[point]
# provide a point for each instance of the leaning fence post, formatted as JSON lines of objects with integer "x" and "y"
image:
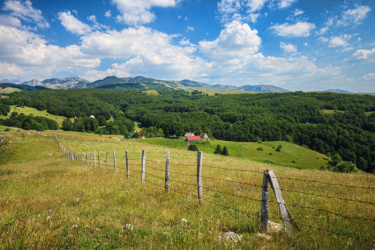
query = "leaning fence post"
{"x": 199, "y": 176}
{"x": 264, "y": 208}
{"x": 143, "y": 165}
{"x": 114, "y": 161}
{"x": 282, "y": 206}
{"x": 167, "y": 162}
{"x": 106, "y": 162}
{"x": 127, "y": 163}
{"x": 99, "y": 157}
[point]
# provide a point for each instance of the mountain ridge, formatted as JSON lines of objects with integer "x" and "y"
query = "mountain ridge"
{"x": 144, "y": 83}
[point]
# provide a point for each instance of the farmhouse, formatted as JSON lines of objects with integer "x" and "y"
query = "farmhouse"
{"x": 204, "y": 135}
{"x": 193, "y": 138}
{"x": 188, "y": 134}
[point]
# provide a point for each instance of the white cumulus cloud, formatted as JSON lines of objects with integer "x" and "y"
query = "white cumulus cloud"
{"x": 364, "y": 55}
{"x": 25, "y": 11}
{"x": 136, "y": 12}
{"x": 368, "y": 77}
{"x": 72, "y": 24}
{"x": 300, "y": 29}
{"x": 10, "y": 21}
{"x": 354, "y": 16}
{"x": 337, "y": 41}
{"x": 286, "y": 3}
{"x": 236, "y": 42}
{"x": 255, "y": 5}
{"x": 289, "y": 48}
{"x": 25, "y": 50}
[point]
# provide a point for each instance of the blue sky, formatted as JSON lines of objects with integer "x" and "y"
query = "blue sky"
{"x": 295, "y": 44}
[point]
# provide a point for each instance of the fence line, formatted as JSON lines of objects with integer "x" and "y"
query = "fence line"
{"x": 285, "y": 215}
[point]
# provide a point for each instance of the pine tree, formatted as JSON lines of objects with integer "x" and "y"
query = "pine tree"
{"x": 218, "y": 150}
{"x": 225, "y": 151}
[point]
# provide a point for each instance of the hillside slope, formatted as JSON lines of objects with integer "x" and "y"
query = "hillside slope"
{"x": 49, "y": 201}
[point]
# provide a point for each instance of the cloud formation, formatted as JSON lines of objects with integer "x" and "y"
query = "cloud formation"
{"x": 72, "y": 24}
{"x": 137, "y": 12}
{"x": 354, "y": 16}
{"x": 299, "y": 29}
{"x": 288, "y": 48}
{"x": 364, "y": 55}
{"x": 25, "y": 11}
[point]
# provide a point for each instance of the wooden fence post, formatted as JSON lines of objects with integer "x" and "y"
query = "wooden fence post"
{"x": 167, "y": 162}
{"x": 143, "y": 166}
{"x": 199, "y": 176}
{"x": 114, "y": 161}
{"x": 282, "y": 206}
{"x": 127, "y": 163}
{"x": 94, "y": 159}
{"x": 264, "y": 207}
{"x": 99, "y": 157}
{"x": 106, "y": 162}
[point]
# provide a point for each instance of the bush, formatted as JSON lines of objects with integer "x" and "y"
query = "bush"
{"x": 279, "y": 148}
{"x": 225, "y": 151}
{"x": 193, "y": 147}
{"x": 260, "y": 149}
{"x": 218, "y": 150}
{"x": 344, "y": 167}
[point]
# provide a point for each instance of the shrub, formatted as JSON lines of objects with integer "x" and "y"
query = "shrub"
{"x": 344, "y": 167}
{"x": 193, "y": 147}
{"x": 260, "y": 149}
{"x": 225, "y": 151}
{"x": 218, "y": 150}
{"x": 279, "y": 148}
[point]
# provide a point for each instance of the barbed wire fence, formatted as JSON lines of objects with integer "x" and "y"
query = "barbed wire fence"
{"x": 162, "y": 175}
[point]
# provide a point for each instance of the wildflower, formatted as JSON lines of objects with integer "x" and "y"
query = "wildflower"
{"x": 49, "y": 217}
{"x": 75, "y": 225}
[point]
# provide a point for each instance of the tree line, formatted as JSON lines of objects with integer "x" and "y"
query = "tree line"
{"x": 348, "y": 129}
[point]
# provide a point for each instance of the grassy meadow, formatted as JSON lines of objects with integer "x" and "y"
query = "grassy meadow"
{"x": 290, "y": 155}
{"x": 48, "y": 201}
{"x": 35, "y": 112}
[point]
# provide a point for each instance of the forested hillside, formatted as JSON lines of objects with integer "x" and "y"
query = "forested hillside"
{"x": 347, "y": 129}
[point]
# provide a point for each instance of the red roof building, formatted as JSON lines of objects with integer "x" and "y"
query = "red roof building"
{"x": 193, "y": 138}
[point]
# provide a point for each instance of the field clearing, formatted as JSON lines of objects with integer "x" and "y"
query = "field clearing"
{"x": 8, "y": 90}
{"x": 331, "y": 111}
{"x": 290, "y": 155}
{"x": 48, "y": 201}
{"x": 35, "y": 112}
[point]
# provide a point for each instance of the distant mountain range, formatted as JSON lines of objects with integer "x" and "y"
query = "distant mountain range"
{"x": 60, "y": 83}
{"x": 143, "y": 83}
{"x": 338, "y": 91}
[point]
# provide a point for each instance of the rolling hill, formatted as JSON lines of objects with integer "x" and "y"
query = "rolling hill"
{"x": 144, "y": 83}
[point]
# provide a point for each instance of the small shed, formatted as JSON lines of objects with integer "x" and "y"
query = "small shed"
{"x": 204, "y": 135}
{"x": 193, "y": 138}
{"x": 188, "y": 134}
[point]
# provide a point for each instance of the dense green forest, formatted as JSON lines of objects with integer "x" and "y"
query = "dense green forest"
{"x": 29, "y": 122}
{"x": 348, "y": 129}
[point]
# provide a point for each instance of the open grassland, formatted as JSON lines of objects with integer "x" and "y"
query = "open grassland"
{"x": 290, "y": 155}
{"x": 48, "y": 201}
{"x": 35, "y": 112}
{"x": 8, "y": 90}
